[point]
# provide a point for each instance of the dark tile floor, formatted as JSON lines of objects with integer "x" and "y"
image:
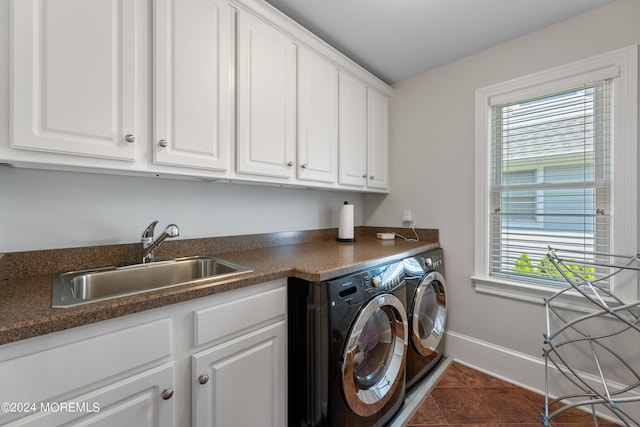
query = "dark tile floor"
{"x": 466, "y": 397}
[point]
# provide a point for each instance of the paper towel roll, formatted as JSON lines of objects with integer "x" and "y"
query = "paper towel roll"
{"x": 345, "y": 230}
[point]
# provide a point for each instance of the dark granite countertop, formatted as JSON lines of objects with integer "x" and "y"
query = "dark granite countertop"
{"x": 25, "y": 302}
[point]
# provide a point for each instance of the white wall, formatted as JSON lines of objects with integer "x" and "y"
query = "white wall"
{"x": 44, "y": 210}
{"x": 432, "y": 172}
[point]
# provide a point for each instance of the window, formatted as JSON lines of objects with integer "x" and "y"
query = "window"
{"x": 556, "y": 165}
{"x": 550, "y": 180}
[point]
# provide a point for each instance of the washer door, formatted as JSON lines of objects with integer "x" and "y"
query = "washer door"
{"x": 373, "y": 360}
{"x": 428, "y": 313}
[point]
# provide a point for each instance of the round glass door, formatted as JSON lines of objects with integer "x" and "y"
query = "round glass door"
{"x": 428, "y": 313}
{"x": 374, "y": 355}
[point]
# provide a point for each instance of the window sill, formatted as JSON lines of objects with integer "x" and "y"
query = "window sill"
{"x": 533, "y": 293}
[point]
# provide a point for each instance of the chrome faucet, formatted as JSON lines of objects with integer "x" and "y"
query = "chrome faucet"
{"x": 149, "y": 245}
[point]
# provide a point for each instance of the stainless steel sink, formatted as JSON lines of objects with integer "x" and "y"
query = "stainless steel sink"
{"x": 80, "y": 287}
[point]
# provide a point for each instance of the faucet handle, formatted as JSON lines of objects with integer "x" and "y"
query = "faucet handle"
{"x": 150, "y": 230}
{"x": 172, "y": 230}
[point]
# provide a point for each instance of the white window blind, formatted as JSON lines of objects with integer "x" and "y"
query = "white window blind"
{"x": 550, "y": 181}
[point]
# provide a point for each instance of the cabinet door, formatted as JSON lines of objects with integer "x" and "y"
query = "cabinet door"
{"x": 242, "y": 381}
{"x": 73, "y": 74}
{"x": 143, "y": 400}
{"x": 377, "y": 140}
{"x": 353, "y": 132}
{"x": 47, "y": 369}
{"x": 266, "y": 99}
{"x": 193, "y": 92}
{"x": 317, "y": 118}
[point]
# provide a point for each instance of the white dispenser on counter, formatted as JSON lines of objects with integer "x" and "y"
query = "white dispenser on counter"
{"x": 345, "y": 230}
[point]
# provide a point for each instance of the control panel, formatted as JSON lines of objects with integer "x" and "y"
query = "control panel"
{"x": 358, "y": 288}
{"x": 384, "y": 278}
{"x": 433, "y": 261}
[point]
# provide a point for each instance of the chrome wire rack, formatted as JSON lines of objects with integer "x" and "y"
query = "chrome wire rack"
{"x": 596, "y": 339}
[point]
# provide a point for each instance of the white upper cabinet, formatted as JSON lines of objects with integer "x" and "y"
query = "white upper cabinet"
{"x": 73, "y": 68}
{"x": 206, "y": 89}
{"x": 364, "y": 135}
{"x": 266, "y": 99}
{"x": 353, "y": 131}
{"x": 192, "y": 80}
{"x": 317, "y": 118}
{"x": 377, "y": 140}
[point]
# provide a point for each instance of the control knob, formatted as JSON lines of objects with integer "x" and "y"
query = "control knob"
{"x": 376, "y": 281}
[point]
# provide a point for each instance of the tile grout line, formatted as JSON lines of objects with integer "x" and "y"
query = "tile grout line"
{"x": 414, "y": 398}
{"x": 435, "y": 402}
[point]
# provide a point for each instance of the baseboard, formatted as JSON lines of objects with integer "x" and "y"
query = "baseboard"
{"x": 515, "y": 367}
{"x": 521, "y": 369}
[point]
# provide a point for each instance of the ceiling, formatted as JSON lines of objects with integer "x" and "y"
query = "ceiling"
{"x": 396, "y": 39}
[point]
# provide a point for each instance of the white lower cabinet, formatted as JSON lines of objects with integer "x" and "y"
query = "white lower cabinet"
{"x": 146, "y": 369}
{"x": 135, "y": 401}
{"x": 238, "y": 376}
{"x": 91, "y": 375}
{"x": 240, "y": 382}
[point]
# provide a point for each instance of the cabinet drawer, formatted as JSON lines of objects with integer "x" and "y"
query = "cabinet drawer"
{"x": 60, "y": 370}
{"x": 240, "y": 315}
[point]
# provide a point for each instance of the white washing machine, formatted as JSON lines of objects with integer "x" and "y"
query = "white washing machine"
{"x": 426, "y": 313}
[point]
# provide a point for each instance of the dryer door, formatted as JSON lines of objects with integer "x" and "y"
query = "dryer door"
{"x": 428, "y": 313}
{"x": 373, "y": 360}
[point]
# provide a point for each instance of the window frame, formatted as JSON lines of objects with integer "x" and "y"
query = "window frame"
{"x": 622, "y": 66}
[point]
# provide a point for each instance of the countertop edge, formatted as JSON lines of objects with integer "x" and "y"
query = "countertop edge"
{"x": 36, "y": 317}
